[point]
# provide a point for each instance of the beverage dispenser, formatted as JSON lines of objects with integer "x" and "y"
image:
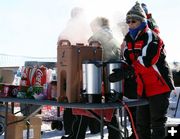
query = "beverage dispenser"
{"x": 69, "y": 67}
{"x": 92, "y": 80}
{"x": 115, "y": 87}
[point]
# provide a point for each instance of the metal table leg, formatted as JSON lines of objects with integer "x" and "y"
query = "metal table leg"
{"x": 12, "y": 107}
{"x": 102, "y": 124}
{"x": 6, "y": 120}
{"x": 125, "y": 125}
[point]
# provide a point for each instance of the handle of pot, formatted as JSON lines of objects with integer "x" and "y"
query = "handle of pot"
{"x": 64, "y": 43}
{"x": 98, "y": 64}
{"x": 95, "y": 44}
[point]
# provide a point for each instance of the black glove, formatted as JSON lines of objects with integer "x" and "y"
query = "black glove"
{"x": 114, "y": 97}
{"x": 120, "y": 74}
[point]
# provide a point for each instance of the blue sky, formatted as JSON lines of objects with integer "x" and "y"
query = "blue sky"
{"x": 31, "y": 27}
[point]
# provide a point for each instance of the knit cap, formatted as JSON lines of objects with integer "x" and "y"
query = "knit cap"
{"x": 136, "y": 12}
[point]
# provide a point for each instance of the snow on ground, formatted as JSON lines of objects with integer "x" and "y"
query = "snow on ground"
{"x": 55, "y": 134}
{"x": 174, "y": 108}
{"x": 173, "y": 118}
{"x": 173, "y": 104}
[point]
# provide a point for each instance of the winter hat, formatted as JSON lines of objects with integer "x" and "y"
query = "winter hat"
{"x": 101, "y": 22}
{"x": 136, "y": 12}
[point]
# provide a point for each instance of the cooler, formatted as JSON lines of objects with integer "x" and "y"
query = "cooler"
{"x": 69, "y": 67}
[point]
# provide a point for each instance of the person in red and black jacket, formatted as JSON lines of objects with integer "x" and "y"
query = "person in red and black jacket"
{"x": 130, "y": 92}
{"x": 144, "y": 51}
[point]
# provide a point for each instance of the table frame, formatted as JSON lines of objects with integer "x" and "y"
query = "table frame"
{"x": 90, "y": 106}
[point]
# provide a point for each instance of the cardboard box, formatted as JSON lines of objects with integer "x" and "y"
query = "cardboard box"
{"x": 19, "y": 130}
{"x": 7, "y": 74}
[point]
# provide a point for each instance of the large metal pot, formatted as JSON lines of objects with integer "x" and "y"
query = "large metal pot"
{"x": 115, "y": 87}
{"x": 92, "y": 80}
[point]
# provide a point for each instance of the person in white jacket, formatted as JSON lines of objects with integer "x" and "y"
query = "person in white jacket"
{"x": 101, "y": 33}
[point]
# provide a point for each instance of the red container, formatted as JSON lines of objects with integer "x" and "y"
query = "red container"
{"x": 4, "y": 92}
{"x": 8, "y": 90}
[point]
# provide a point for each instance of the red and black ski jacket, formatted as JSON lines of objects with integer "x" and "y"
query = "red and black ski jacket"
{"x": 147, "y": 55}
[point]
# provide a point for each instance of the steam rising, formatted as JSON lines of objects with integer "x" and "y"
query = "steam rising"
{"x": 78, "y": 27}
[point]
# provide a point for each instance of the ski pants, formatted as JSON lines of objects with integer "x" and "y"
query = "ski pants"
{"x": 151, "y": 118}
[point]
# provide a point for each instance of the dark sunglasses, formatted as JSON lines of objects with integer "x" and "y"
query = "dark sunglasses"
{"x": 131, "y": 21}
